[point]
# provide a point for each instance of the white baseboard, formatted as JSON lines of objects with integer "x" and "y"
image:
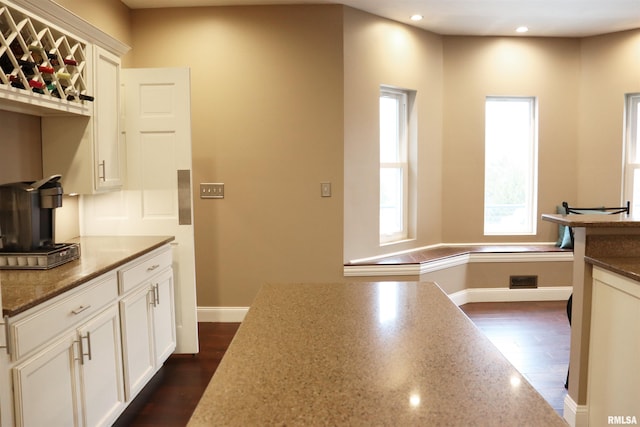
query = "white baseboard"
{"x": 222, "y": 314}
{"x": 555, "y": 293}
{"x": 552, "y": 293}
{"x": 575, "y": 415}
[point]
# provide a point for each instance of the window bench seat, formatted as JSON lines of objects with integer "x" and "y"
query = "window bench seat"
{"x": 476, "y": 272}
{"x": 441, "y": 256}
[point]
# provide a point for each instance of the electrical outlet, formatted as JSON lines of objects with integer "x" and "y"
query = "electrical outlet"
{"x": 211, "y": 190}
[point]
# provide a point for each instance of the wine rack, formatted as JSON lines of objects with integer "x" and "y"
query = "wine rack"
{"x": 41, "y": 59}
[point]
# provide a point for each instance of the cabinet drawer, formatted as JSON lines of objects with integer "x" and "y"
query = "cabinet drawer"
{"x": 140, "y": 271}
{"x": 46, "y": 323}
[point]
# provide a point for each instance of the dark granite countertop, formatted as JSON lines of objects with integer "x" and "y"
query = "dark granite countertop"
{"x": 23, "y": 289}
{"x": 625, "y": 266}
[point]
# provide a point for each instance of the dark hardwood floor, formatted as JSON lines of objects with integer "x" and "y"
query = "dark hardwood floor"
{"x": 534, "y": 336}
{"x": 171, "y": 397}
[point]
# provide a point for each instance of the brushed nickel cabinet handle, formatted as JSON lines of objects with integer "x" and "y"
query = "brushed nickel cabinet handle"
{"x": 103, "y": 165}
{"x": 81, "y": 309}
{"x": 153, "y": 267}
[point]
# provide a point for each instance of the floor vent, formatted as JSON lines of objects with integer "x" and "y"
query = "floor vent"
{"x": 523, "y": 282}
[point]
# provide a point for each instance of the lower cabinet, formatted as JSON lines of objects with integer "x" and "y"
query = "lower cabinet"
{"x": 614, "y": 350}
{"x": 148, "y": 329}
{"x": 80, "y": 358}
{"x": 75, "y": 381}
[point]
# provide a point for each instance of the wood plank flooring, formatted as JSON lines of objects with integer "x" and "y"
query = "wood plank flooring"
{"x": 534, "y": 336}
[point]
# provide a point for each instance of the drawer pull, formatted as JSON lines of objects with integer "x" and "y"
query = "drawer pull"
{"x": 153, "y": 267}
{"x": 80, "y": 309}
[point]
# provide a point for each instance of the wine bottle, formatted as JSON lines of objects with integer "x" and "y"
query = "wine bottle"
{"x": 63, "y": 75}
{"x": 36, "y": 84}
{"x": 45, "y": 69}
{"x": 25, "y": 63}
{"x": 70, "y": 61}
{"x": 84, "y": 97}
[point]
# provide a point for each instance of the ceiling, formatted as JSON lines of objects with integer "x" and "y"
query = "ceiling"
{"x": 545, "y": 18}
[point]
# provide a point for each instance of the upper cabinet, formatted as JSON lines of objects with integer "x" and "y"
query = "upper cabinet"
{"x": 58, "y": 66}
{"x": 89, "y": 151}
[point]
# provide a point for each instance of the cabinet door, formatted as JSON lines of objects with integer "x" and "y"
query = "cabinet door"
{"x": 101, "y": 369}
{"x": 614, "y": 348}
{"x": 164, "y": 329}
{"x": 45, "y": 386}
{"x": 107, "y": 132}
{"x": 137, "y": 340}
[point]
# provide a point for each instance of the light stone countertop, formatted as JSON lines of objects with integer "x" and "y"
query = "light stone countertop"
{"x": 386, "y": 353}
{"x": 23, "y": 289}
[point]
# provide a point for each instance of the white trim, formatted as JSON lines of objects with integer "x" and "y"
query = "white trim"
{"x": 522, "y": 257}
{"x": 550, "y": 293}
{"x": 222, "y": 314}
{"x": 575, "y": 415}
{"x": 69, "y": 22}
{"x": 406, "y": 251}
{"x": 453, "y": 261}
{"x": 555, "y": 293}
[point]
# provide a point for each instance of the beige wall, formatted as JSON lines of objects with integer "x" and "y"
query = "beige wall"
{"x": 476, "y": 67}
{"x": 285, "y": 97}
{"x": 267, "y": 120}
{"x": 21, "y": 148}
{"x": 382, "y": 52}
{"x": 610, "y": 68}
{"x": 111, "y": 16}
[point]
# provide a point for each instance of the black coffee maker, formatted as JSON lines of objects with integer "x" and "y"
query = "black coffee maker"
{"x": 27, "y": 218}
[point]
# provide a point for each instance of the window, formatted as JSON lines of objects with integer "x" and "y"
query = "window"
{"x": 394, "y": 165}
{"x": 510, "y": 177}
{"x": 632, "y": 150}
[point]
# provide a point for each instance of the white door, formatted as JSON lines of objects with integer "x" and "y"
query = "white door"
{"x": 156, "y": 199}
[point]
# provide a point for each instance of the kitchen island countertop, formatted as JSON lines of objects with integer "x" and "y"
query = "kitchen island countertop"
{"x": 24, "y": 289}
{"x": 386, "y": 353}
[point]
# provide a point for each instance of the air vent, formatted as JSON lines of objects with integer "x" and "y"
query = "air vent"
{"x": 523, "y": 282}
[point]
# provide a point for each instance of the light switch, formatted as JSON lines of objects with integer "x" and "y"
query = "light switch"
{"x": 211, "y": 190}
{"x": 325, "y": 189}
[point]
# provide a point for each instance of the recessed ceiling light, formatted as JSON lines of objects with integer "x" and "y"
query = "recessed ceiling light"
{"x": 522, "y": 29}
{"x": 416, "y": 17}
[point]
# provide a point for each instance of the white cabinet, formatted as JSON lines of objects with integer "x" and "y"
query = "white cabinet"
{"x": 81, "y": 357}
{"x": 101, "y": 373}
{"x": 45, "y": 386}
{"x": 614, "y": 349}
{"x": 88, "y": 151}
{"x": 148, "y": 318}
{"x": 76, "y": 378}
{"x": 137, "y": 339}
{"x": 164, "y": 331}
{"x": 107, "y": 132}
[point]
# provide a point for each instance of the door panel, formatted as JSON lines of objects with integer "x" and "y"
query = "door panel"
{"x": 157, "y": 126}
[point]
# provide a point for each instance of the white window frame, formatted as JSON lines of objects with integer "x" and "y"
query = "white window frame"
{"x": 402, "y": 163}
{"x": 631, "y": 160}
{"x": 530, "y": 177}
